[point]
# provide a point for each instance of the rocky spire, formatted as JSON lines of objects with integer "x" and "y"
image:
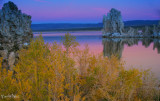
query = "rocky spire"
{"x": 113, "y": 22}
{"x": 15, "y": 31}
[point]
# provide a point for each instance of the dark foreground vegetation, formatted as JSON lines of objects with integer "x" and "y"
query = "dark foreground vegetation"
{"x": 65, "y": 73}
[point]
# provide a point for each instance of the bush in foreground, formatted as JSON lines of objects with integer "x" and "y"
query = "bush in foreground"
{"x": 49, "y": 72}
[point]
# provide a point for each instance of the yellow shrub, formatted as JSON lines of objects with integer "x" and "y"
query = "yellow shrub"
{"x": 7, "y": 84}
{"x": 47, "y": 72}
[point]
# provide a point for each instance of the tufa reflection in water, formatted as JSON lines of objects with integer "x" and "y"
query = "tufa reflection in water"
{"x": 115, "y": 46}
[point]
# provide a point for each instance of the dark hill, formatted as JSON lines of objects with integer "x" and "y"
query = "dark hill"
{"x": 97, "y": 26}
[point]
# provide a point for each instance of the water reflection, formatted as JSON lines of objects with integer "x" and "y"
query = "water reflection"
{"x": 157, "y": 45}
{"x": 115, "y": 46}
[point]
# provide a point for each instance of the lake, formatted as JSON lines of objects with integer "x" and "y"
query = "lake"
{"x": 138, "y": 53}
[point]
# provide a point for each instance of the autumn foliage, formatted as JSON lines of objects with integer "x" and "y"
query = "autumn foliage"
{"x": 50, "y": 72}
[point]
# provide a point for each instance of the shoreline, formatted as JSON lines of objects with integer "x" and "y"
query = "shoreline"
{"x": 70, "y": 31}
{"x": 61, "y": 30}
{"x": 136, "y": 36}
{"x": 103, "y": 36}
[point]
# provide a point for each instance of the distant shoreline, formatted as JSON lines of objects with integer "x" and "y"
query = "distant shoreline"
{"x": 49, "y": 27}
{"x": 136, "y": 36}
{"x": 75, "y": 29}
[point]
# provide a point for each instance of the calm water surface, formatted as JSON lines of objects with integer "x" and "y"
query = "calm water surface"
{"x": 137, "y": 53}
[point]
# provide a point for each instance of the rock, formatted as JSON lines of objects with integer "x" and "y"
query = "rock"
{"x": 15, "y": 27}
{"x": 11, "y": 60}
{"x": 147, "y": 31}
{"x": 155, "y": 31}
{"x": 26, "y": 44}
{"x": 116, "y": 34}
{"x": 15, "y": 30}
{"x": 113, "y": 26}
{"x": 131, "y": 31}
{"x": 113, "y": 22}
{"x": 158, "y": 29}
{"x": 4, "y": 54}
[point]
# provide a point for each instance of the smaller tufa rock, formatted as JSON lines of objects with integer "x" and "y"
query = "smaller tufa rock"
{"x": 131, "y": 31}
{"x": 113, "y": 22}
{"x": 113, "y": 26}
{"x": 4, "y": 54}
{"x": 155, "y": 31}
{"x": 11, "y": 60}
{"x": 158, "y": 29}
{"x": 147, "y": 31}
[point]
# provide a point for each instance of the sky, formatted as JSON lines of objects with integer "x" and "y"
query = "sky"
{"x": 86, "y": 11}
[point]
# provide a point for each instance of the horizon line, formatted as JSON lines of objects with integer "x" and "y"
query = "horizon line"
{"x": 86, "y": 22}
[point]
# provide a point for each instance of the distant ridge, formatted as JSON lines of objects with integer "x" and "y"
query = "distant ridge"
{"x": 65, "y": 26}
{"x": 87, "y": 26}
{"x": 141, "y": 22}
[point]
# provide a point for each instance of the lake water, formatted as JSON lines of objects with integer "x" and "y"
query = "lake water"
{"x": 138, "y": 53}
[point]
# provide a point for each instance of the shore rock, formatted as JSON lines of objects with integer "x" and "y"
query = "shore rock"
{"x": 159, "y": 29}
{"x": 155, "y": 30}
{"x": 113, "y": 27}
{"x": 147, "y": 31}
{"x": 131, "y": 31}
{"x": 11, "y": 60}
{"x": 4, "y": 54}
{"x": 15, "y": 30}
{"x": 112, "y": 23}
